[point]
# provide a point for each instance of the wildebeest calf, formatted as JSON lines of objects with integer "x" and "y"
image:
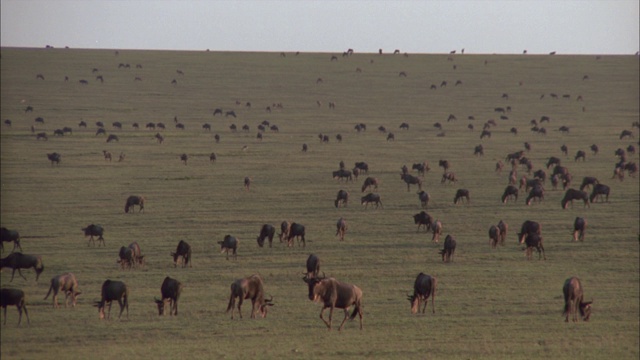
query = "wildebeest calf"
{"x": 573, "y": 300}
{"x": 9, "y": 296}
{"x": 252, "y": 288}
{"x": 66, "y": 282}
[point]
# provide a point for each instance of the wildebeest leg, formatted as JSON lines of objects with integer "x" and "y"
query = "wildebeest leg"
{"x": 240, "y": 299}
{"x": 109, "y": 313}
{"x": 424, "y": 307}
{"x": 346, "y": 315}
{"x": 121, "y": 308}
{"x": 330, "y": 315}
{"x": 5, "y": 315}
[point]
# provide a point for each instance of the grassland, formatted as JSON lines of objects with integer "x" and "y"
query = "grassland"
{"x": 490, "y": 304}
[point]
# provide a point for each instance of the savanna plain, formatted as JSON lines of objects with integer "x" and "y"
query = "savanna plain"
{"x": 489, "y": 304}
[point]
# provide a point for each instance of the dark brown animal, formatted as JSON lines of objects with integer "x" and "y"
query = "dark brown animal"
{"x": 528, "y": 227}
{"x": 449, "y": 176}
{"x": 423, "y": 287}
{"x": 503, "y": 227}
{"x": 284, "y": 230}
{"x": 461, "y": 195}
{"x": 132, "y": 201}
{"x": 252, "y": 288}
{"x": 68, "y": 283}
{"x": 537, "y": 192}
{"x": 94, "y": 230}
{"x": 9, "y": 296}
{"x": 313, "y": 266}
{"x": 170, "y": 290}
{"x": 449, "y": 249}
{"x": 579, "y": 228}
{"x": 369, "y": 199}
{"x": 341, "y": 228}
{"x": 424, "y": 197}
{"x": 573, "y": 194}
{"x": 370, "y": 182}
{"x": 342, "y": 198}
{"x": 296, "y": 231}
{"x": 266, "y": 232}
{"x": 184, "y": 251}
{"x": 126, "y": 258}
{"x": 7, "y": 235}
{"x": 335, "y": 294}
{"x": 229, "y": 243}
{"x": 17, "y": 261}
{"x": 494, "y": 236}
{"x": 423, "y": 219}
{"x": 599, "y": 190}
{"x": 54, "y": 158}
{"x": 534, "y": 241}
{"x": 113, "y": 290}
{"x": 588, "y": 181}
{"x": 573, "y": 300}
{"x": 411, "y": 180}
{"x": 510, "y": 192}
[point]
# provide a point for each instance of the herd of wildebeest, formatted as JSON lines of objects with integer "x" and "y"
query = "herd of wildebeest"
{"x": 334, "y": 294}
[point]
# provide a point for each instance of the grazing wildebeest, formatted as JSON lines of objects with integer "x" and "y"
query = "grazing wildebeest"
{"x": 15, "y": 297}
{"x": 251, "y": 287}
{"x": 285, "y": 226}
{"x": 230, "y": 113}
{"x": 7, "y": 235}
{"x": 423, "y": 219}
{"x": 580, "y": 155}
{"x": 598, "y": 191}
{"x": 212, "y": 157}
{"x": 503, "y": 227}
{"x": 528, "y": 227}
{"x": 541, "y": 175}
{"x": 391, "y": 137}
{"x": 184, "y": 158}
{"x": 404, "y": 126}
{"x": 296, "y": 231}
{"x": 573, "y": 194}
{"x": 537, "y": 192}
{"x": 444, "y": 164}
{"x": 183, "y": 250}
{"x": 343, "y": 174}
{"x": 342, "y": 198}
{"x": 514, "y": 131}
{"x": 436, "y": 228}
{"x": 363, "y": 166}
{"x": 449, "y": 249}
{"x": 423, "y": 288}
{"x": 58, "y": 132}
{"x": 422, "y": 168}
{"x": 509, "y": 192}
{"x": 335, "y": 294}
{"x": 370, "y": 182}
{"x": 594, "y": 148}
{"x": 267, "y": 231}
{"x": 573, "y": 300}
{"x": 138, "y": 258}
{"x": 126, "y": 257}
{"x": 17, "y": 261}
{"x": 94, "y": 230}
{"x": 107, "y": 155}
{"x": 229, "y": 243}
{"x": 159, "y": 137}
{"x": 382, "y": 129}
{"x": 132, "y": 201}
{"x": 54, "y": 158}
{"x": 579, "y": 228}
{"x": 499, "y": 166}
{"x": 424, "y": 197}
{"x": 450, "y": 176}
{"x": 626, "y": 133}
{"x": 170, "y": 290}
{"x": 313, "y": 266}
{"x": 479, "y": 150}
{"x": 411, "y": 180}
{"x": 533, "y": 240}
{"x": 206, "y": 127}
{"x": 370, "y": 198}
{"x": 494, "y": 236}
{"x": 66, "y": 282}
{"x": 113, "y": 137}
{"x": 113, "y": 290}
{"x": 485, "y": 133}
{"x": 341, "y": 228}
{"x": 461, "y": 194}
{"x": 437, "y": 125}
{"x": 564, "y": 149}
{"x": 588, "y": 181}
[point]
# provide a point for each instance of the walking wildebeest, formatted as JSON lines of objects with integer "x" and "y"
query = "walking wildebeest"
{"x": 579, "y": 228}
{"x": 598, "y": 191}
{"x": 342, "y": 198}
{"x": 132, "y": 201}
{"x": 335, "y": 294}
{"x": 183, "y": 250}
{"x": 15, "y": 297}
{"x": 509, "y": 192}
{"x": 94, "y": 230}
{"x": 370, "y": 198}
{"x": 450, "y": 176}
{"x": 17, "y": 261}
{"x": 461, "y": 194}
{"x": 494, "y": 236}
{"x": 7, "y": 235}
{"x": 313, "y": 266}
{"x": 267, "y": 231}
{"x": 370, "y": 182}
{"x": 113, "y": 290}
{"x": 573, "y": 296}
{"x": 229, "y": 243}
{"x": 424, "y": 198}
{"x": 532, "y": 241}
{"x": 536, "y": 193}
{"x": 588, "y": 181}
{"x": 66, "y": 282}
{"x": 341, "y": 228}
{"x": 54, "y": 158}
{"x": 170, "y": 290}
{"x": 423, "y": 288}
{"x": 573, "y": 194}
{"x": 423, "y": 219}
{"x": 449, "y": 249}
{"x": 411, "y": 180}
{"x": 528, "y": 227}
{"x": 296, "y": 231}
{"x": 252, "y": 288}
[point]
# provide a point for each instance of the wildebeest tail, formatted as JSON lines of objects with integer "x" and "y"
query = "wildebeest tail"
{"x": 356, "y": 309}
{"x": 50, "y": 289}
{"x": 231, "y": 302}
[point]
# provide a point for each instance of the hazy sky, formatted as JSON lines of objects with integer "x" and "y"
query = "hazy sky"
{"x": 431, "y": 26}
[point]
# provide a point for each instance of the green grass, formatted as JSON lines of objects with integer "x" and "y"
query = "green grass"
{"x": 490, "y": 304}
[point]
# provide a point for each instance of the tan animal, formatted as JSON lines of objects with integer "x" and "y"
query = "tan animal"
{"x": 66, "y": 282}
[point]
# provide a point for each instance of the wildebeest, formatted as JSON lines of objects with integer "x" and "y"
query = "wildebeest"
{"x": 342, "y": 198}
{"x": 370, "y": 182}
{"x": 335, "y": 294}
{"x": 7, "y": 235}
{"x": 580, "y": 155}
{"x": 423, "y": 288}
{"x": 424, "y": 197}
{"x": 485, "y": 133}
{"x": 444, "y": 164}
{"x": 341, "y": 228}
{"x": 67, "y": 283}
{"x": 404, "y": 126}
{"x": 94, "y": 230}
{"x": 598, "y": 191}
{"x": 230, "y": 113}
{"x": 170, "y": 290}
{"x": 9, "y": 296}
{"x": 296, "y": 231}
{"x": 436, "y": 228}
{"x": 183, "y": 250}
{"x": 159, "y": 137}
{"x": 313, "y": 266}
{"x": 423, "y": 219}
{"x": 537, "y": 192}
{"x": 284, "y": 230}
{"x": 267, "y": 231}
{"x": 54, "y": 158}
{"x": 113, "y": 290}
{"x": 422, "y": 168}
{"x": 132, "y": 201}
{"x": 343, "y": 174}
{"x": 533, "y": 240}
{"x": 494, "y": 236}
{"x": 449, "y": 176}
{"x": 212, "y": 157}
{"x": 503, "y": 227}
{"x": 573, "y": 194}
{"x": 478, "y": 150}
{"x": 461, "y": 194}
{"x": 107, "y": 155}
{"x": 42, "y": 136}
{"x": 626, "y": 133}
{"x": 184, "y": 158}
{"x": 17, "y": 261}
{"x": 363, "y": 166}
{"x": 573, "y": 300}
{"x": 579, "y": 228}
{"x": 252, "y": 288}
{"x": 126, "y": 257}
{"x": 588, "y": 181}
{"x": 229, "y": 243}
{"x": 528, "y": 227}
{"x": 510, "y": 192}
{"x": 411, "y": 180}
{"x": 594, "y": 148}
{"x": 553, "y": 161}
{"x": 449, "y": 248}
{"x": 370, "y": 198}
{"x": 58, "y": 132}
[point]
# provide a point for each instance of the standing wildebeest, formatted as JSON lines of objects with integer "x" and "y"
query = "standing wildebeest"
{"x": 184, "y": 158}
{"x": 444, "y": 164}
{"x": 42, "y": 136}
{"x": 363, "y": 166}
{"x": 94, "y": 230}
{"x": 132, "y": 201}
{"x": 313, "y": 266}
{"x": 411, "y": 180}
{"x": 66, "y": 282}
{"x": 285, "y": 226}
{"x": 573, "y": 296}
{"x": 54, "y": 158}
{"x": 421, "y": 167}
{"x": 573, "y": 194}
{"x": 370, "y": 198}
{"x": 17, "y": 261}
{"x": 479, "y": 150}
{"x": 528, "y": 227}
{"x": 424, "y": 198}
{"x": 170, "y": 290}
{"x": 423, "y": 288}
{"x": 598, "y": 191}
{"x": 460, "y": 195}
{"x": 126, "y": 257}
{"x": 532, "y": 241}
{"x": 107, "y": 155}
{"x": 494, "y": 236}
{"x": 580, "y": 155}
{"x": 594, "y": 148}
{"x": 579, "y": 227}
{"x": 252, "y": 288}
{"x": 423, "y": 219}
{"x": 296, "y": 231}
{"x": 436, "y": 228}
{"x": 335, "y": 294}
{"x": 537, "y": 192}
{"x": 449, "y": 249}
{"x": 588, "y": 181}
{"x": 342, "y": 198}
{"x": 341, "y": 228}
{"x": 342, "y": 173}
{"x": 370, "y": 182}
{"x": 626, "y": 133}
{"x": 503, "y": 227}
{"x": 183, "y": 250}
{"x": 13, "y": 297}
{"x": 449, "y": 176}
{"x": 553, "y": 161}
{"x": 113, "y": 290}
{"x": 509, "y": 192}
{"x": 267, "y": 231}
{"x": 229, "y": 243}
{"x": 7, "y": 235}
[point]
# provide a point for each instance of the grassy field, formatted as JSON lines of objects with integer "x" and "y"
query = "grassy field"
{"x": 490, "y": 303}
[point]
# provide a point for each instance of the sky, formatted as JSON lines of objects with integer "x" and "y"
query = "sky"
{"x": 428, "y": 26}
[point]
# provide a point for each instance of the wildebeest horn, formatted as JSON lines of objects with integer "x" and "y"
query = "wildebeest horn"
{"x": 269, "y": 300}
